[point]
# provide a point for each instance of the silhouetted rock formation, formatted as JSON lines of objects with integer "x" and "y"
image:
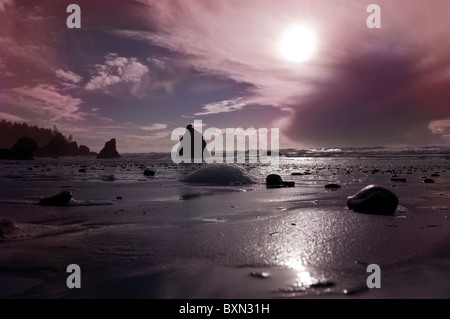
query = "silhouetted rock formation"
{"x": 11, "y": 132}
{"x": 43, "y": 142}
{"x": 6, "y": 154}
{"x": 274, "y": 180}
{"x": 24, "y": 149}
{"x": 83, "y": 150}
{"x": 191, "y": 136}
{"x": 60, "y": 146}
{"x": 109, "y": 151}
{"x": 56, "y": 147}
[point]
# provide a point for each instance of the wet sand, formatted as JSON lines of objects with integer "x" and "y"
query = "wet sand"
{"x": 158, "y": 237}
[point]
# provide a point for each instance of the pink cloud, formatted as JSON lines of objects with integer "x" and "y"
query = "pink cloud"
{"x": 223, "y": 106}
{"x": 129, "y": 73}
{"x": 43, "y": 103}
{"x": 68, "y": 76}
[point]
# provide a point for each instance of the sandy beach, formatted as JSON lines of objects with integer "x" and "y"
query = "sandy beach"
{"x": 157, "y": 237}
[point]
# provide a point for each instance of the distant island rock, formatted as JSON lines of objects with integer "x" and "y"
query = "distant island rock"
{"x": 59, "y": 146}
{"x": 109, "y": 151}
{"x": 19, "y": 141}
{"x": 23, "y": 149}
{"x": 27, "y": 148}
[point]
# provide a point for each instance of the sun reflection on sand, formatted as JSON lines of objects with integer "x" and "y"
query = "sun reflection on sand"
{"x": 304, "y": 278}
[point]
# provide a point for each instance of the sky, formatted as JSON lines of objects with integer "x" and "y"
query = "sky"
{"x": 138, "y": 69}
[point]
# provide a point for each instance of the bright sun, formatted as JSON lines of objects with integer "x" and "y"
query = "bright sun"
{"x": 298, "y": 44}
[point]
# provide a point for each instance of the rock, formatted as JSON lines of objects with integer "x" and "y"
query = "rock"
{"x": 149, "y": 172}
{"x": 332, "y": 186}
{"x": 398, "y": 179}
{"x": 24, "y": 149}
{"x": 61, "y": 199}
{"x": 109, "y": 151}
{"x": 83, "y": 150}
{"x": 326, "y": 284}
{"x": 274, "y": 180}
{"x": 60, "y": 146}
{"x": 296, "y": 174}
{"x": 6, "y": 154}
{"x": 72, "y": 149}
{"x": 428, "y": 181}
{"x": 373, "y": 199}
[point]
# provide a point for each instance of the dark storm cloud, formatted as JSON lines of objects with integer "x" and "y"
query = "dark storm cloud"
{"x": 378, "y": 96}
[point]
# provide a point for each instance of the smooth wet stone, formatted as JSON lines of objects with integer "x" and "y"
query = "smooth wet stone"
{"x": 60, "y": 199}
{"x": 373, "y": 199}
{"x": 259, "y": 274}
{"x": 332, "y": 186}
{"x": 275, "y": 180}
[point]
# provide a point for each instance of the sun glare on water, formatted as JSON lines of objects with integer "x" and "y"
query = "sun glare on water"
{"x": 298, "y": 44}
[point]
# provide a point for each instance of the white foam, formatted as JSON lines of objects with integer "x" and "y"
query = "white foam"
{"x": 220, "y": 174}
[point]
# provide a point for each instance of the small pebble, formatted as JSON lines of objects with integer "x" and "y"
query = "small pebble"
{"x": 332, "y": 186}
{"x": 326, "y": 284}
{"x": 259, "y": 274}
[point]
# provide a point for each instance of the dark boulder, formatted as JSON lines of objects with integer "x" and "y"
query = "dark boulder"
{"x": 332, "y": 186}
{"x": 59, "y": 146}
{"x": 373, "y": 199}
{"x": 149, "y": 172}
{"x": 109, "y": 151}
{"x": 275, "y": 180}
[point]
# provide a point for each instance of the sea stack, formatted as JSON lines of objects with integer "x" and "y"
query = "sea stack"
{"x": 109, "y": 151}
{"x": 24, "y": 149}
{"x": 373, "y": 199}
